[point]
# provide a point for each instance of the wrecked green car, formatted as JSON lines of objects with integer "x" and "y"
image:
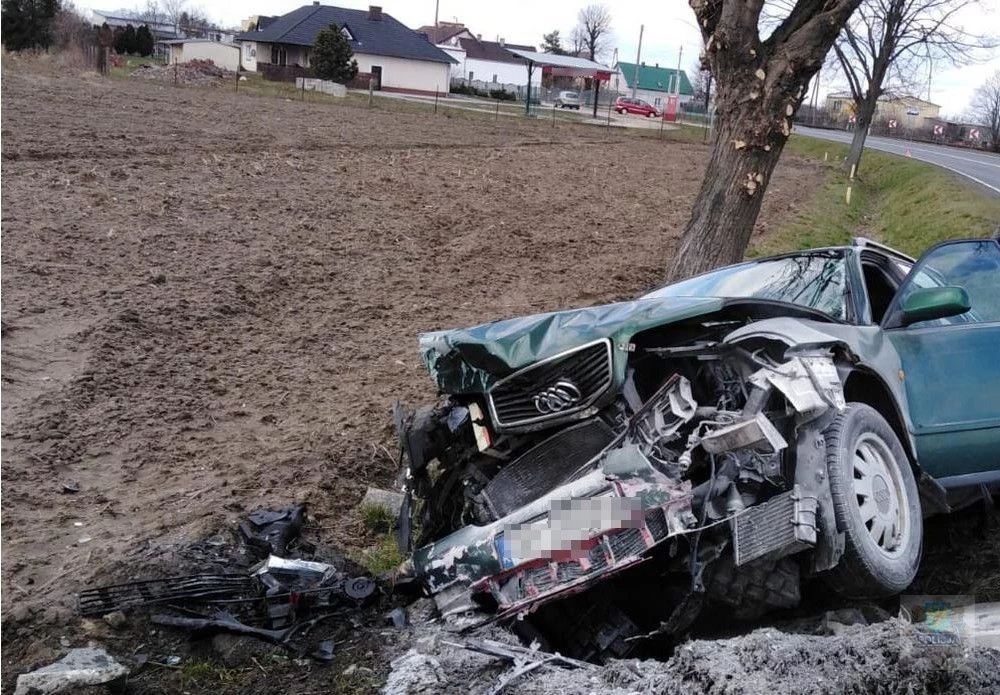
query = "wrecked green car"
{"x": 714, "y": 443}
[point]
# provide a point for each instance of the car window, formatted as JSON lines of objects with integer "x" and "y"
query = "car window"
{"x": 817, "y": 281}
{"x": 971, "y": 265}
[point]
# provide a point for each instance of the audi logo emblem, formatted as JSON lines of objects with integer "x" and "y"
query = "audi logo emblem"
{"x": 557, "y": 397}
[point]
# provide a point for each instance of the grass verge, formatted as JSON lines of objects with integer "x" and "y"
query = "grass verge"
{"x": 907, "y": 204}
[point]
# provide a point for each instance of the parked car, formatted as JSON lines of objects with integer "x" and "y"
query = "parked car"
{"x": 568, "y": 100}
{"x": 637, "y": 106}
{"x": 716, "y": 441}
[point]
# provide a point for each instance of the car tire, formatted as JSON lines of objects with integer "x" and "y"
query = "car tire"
{"x": 649, "y": 115}
{"x": 876, "y": 504}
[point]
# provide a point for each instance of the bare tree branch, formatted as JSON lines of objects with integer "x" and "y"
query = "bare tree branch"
{"x": 593, "y": 28}
{"x": 986, "y": 109}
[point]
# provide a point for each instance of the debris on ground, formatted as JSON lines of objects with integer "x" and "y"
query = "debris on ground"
{"x": 281, "y": 600}
{"x": 191, "y": 72}
{"x": 890, "y": 656}
{"x": 80, "y": 667}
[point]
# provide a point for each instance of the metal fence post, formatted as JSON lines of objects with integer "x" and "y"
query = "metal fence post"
{"x": 496, "y": 116}
{"x": 370, "y": 90}
{"x": 435, "y": 99}
{"x": 175, "y": 71}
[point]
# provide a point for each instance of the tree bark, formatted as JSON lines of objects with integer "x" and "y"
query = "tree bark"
{"x": 728, "y": 198}
{"x": 759, "y": 87}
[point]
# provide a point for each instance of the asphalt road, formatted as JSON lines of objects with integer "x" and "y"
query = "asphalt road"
{"x": 981, "y": 167}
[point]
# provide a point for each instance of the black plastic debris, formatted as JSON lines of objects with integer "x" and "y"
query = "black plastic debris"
{"x": 282, "y": 600}
{"x": 271, "y": 532}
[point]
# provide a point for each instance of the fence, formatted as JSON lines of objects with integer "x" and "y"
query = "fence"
{"x": 539, "y": 95}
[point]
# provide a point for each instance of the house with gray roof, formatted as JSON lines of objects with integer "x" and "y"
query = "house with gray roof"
{"x": 396, "y": 57}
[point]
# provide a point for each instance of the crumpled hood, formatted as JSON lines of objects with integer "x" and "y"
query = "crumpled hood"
{"x": 470, "y": 360}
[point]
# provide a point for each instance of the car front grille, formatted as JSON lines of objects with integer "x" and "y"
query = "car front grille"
{"x": 553, "y": 389}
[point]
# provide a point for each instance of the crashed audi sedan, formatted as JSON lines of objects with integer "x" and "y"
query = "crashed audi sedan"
{"x": 715, "y": 443}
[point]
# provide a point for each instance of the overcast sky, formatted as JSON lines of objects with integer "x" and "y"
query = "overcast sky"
{"x": 669, "y": 29}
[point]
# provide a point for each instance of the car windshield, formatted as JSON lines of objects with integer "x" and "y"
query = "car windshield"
{"x": 816, "y": 281}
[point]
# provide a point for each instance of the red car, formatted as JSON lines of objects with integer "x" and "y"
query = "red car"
{"x": 638, "y": 106}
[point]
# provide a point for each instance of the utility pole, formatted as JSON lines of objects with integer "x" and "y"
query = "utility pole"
{"x": 638, "y": 57}
{"x": 437, "y": 6}
{"x": 677, "y": 86}
{"x": 815, "y": 97}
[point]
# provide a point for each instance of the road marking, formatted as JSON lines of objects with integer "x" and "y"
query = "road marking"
{"x": 877, "y": 143}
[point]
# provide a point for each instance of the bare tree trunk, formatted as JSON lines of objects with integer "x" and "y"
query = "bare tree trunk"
{"x": 857, "y": 146}
{"x": 718, "y": 233}
{"x": 759, "y": 86}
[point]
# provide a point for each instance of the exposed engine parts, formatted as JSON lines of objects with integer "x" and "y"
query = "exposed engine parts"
{"x": 691, "y": 468}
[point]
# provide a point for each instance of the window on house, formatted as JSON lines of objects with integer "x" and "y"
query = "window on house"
{"x": 471, "y": 75}
{"x": 279, "y": 55}
{"x": 494, "y": 79}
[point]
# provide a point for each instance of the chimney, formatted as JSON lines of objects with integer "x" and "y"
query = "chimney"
{"x": 479, "y": 37}
{"x": 315, "y": 3}
{"x": 501, "y": 42}
{"x": 375, "y": 13}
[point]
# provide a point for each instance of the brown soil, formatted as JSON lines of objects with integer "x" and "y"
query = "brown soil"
{"x": 210, "y": 300}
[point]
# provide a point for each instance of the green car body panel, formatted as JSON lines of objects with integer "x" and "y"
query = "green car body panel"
{"x": 471, "y": 360}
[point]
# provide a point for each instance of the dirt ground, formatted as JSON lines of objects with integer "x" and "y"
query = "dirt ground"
{"x": 211, "y": 300}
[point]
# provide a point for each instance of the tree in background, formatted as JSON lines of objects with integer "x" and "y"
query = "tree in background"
{"x": 986, "y": 109}
{"x": 760, "y": 83}
{"x": 701, "y": 83}
{"x": 552, "y": 43}
{"x": 145, "y": 44}
{"x": 70, "y": 29}
{"x": 332, "y": 56}
{"x": 125, "y": 40}
{"x": 593, "y": 29}
{"x": 27, "y": 23}
{"x": 886, "y": 42}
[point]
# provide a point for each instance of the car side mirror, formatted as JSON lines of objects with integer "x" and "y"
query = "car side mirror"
{"x": 935, "y": 303}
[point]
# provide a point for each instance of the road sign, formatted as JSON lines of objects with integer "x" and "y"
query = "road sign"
{"x": 852, "y": 118}
{"x": 974, "y": 133}
{"x": 939, "y": 130}
{"x": 892, "y": 123}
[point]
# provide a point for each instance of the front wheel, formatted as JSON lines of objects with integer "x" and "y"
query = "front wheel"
{"x": 650, "y": 115}
{"x": 876, "y": 505}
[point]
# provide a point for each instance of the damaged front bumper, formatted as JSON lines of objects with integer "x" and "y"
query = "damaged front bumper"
{"x": 580, "y": 533}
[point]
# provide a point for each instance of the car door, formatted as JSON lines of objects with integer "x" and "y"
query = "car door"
{"x": 951, "y": 364}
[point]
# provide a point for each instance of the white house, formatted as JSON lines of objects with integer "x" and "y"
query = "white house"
{"x": 392, "y": 56}
{"x": 490, "y": 61}
{"x": 446, "y": 36}
{"x": 225, "y": 55}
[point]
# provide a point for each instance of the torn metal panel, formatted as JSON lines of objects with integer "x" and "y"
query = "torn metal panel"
{"x": 810, "y": 383}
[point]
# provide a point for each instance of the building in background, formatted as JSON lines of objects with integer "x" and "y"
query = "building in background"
{"x": 652, "y": 83}
{"x": 390, "y": 56}
{"x": 224, "y": 55}
{"x": 909, "y": 113}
